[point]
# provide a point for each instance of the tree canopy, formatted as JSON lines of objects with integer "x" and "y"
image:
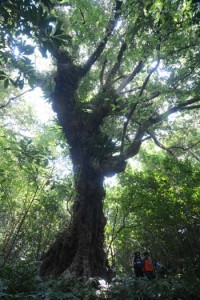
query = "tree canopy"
{"x": 143, "y": 60}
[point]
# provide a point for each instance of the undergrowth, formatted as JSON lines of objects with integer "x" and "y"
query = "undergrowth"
{"x": 21, "y": 281}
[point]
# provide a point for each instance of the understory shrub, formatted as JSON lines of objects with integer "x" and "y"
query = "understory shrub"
{"x": 21, "y": 281}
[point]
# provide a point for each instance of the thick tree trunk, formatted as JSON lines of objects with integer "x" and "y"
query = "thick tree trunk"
{"x": 80, "y": 250}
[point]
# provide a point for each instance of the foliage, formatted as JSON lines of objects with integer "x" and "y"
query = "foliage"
{"x": 148, "y": 65}
{"x": 168, "y": 288}
{"x": 156, "y": 208}
{"x": 35, "y": 203}
{"x": 19, "y": 24}
{"x": 21, "y": 282}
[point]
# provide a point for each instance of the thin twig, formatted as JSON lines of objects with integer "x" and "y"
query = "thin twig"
{"x": 185, "y": 148}
{"x": 14, "y": 98}
{"x": 158, "y": 143}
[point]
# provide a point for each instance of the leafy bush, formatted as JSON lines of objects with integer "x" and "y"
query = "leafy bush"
{"x": 20, "y": 277}
{"x": 176, "y": 287}
{"x": 21, "y": 281}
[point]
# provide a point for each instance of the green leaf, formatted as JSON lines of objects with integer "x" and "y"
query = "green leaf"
{"x": 2, "y": 75}
{"x": 6, "y": 83}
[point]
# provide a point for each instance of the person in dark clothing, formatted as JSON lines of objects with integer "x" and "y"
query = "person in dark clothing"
{"x": 137, "y": 264}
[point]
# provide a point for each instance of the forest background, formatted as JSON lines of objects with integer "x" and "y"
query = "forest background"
{"x": 135, "y": 81}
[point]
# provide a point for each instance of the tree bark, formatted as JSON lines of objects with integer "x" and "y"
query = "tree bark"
{"x": 80, "y": 250}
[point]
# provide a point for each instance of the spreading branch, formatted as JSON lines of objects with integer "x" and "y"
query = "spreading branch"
{"x": 137, "y": 69}
{"x": 194, "y": 155}
{"x": 135, "y": 145}
{"x": 116, "y": 66}
{"x": 185, "y": 148}
{"x": 131, "y": 90}
{"x": 158, "y": 143}
{"x": 102, "y": 72}
{"x": 134, "y": 105}
{"x": 126, "y": 124}
{"x": 182, "y": 106}
{"x": 100, "y": 48}
{"x": 146, "y": 127}
{"x": 152, "y": 96}
{"x": 148, "y": 77}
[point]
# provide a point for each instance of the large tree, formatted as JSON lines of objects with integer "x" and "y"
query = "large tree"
{"x": 123, "y": 68}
